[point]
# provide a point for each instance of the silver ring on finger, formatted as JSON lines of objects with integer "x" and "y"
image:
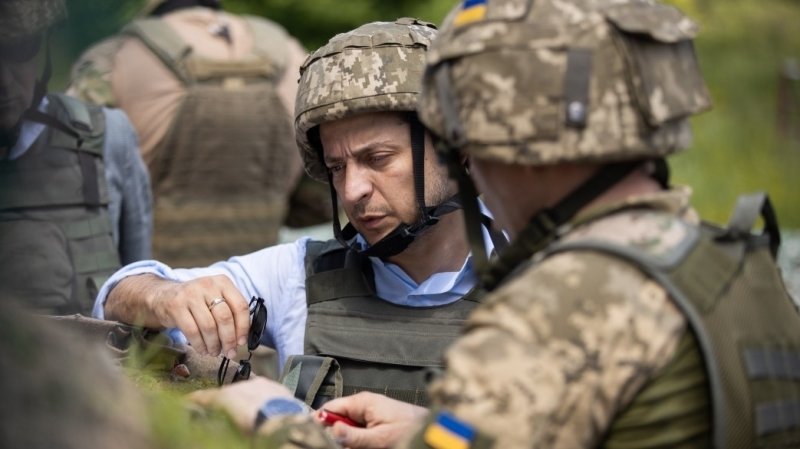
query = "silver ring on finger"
{"x": 215, "y": 302}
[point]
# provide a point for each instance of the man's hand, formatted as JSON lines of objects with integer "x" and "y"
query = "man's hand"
{"x": 241, "y": 400}
{"x": 210, "y": 311}
{"x": 386, "y": 420}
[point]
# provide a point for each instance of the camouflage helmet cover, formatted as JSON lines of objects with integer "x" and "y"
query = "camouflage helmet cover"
{"x": 375, "y": 67}
{"x": 545, "y": 81}
{"x": 21, "y": 18}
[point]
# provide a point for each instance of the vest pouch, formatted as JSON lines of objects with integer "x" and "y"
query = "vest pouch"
{"x": 314, "y": 380}
{"x": 663, "y": 73}
{"x": 37, "y": 267}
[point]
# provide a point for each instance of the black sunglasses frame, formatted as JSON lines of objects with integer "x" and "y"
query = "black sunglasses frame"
{"x": 258, "y": 321}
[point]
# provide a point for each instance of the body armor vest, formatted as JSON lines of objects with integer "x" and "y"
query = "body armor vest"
{"x": 222, "y": 174}
{"x": 55, "y": 233}
{"x": 375, "y": 345}
{"x": 742, "y": 345}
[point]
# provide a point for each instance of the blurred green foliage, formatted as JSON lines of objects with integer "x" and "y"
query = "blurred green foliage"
{"x": 742, "y": 48}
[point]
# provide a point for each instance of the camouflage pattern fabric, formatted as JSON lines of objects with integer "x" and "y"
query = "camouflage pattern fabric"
{"x": 512, "y": 76}
{"x": 558, "y": 351}
{"x": 376, "y": 67}
{"x": 20, "y": 18}
{"x": 91, "y": 74}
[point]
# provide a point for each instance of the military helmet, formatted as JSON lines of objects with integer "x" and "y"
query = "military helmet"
{"x": 543, "y": 82}
{"x": 22, "y": 18}
{"x": 375, "y": 67}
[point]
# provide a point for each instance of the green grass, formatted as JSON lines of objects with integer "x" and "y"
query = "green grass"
{"x": 741, "y": 48}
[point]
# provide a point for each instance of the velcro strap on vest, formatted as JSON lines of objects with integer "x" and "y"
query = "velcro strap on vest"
{"x": 79, "y": 229}
{"x": 416, "y": 397}
{"x": 313, "y": 379}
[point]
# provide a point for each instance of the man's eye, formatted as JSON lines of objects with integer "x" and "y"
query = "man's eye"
{"x": 335, "y": 168}
{"x": 378, "y": 159}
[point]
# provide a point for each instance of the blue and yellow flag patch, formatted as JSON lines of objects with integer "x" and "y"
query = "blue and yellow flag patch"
{"x": 447, "y": 432}
{"x": 471, "y": 11}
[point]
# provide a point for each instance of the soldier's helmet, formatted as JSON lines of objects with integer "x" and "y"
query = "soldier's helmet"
{"x": 375, "y": 67}
{"x": 23, "y": 18}
{"x": 542, "y": 81}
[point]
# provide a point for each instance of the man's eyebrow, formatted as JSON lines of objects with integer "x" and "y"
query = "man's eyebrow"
{"x": 358, "y": 152}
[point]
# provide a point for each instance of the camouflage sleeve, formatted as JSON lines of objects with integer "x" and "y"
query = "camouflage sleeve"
{"x": 90, "y": 77}
{"x": 550, "y": 358}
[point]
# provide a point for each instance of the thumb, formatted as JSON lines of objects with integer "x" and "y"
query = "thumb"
{"x": 203, "y": 397}
{"x": 348, "y": 436}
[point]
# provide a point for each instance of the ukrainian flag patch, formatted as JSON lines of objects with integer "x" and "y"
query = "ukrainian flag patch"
{"x": 447, "y": 432}
{"x": 471, "y": 11}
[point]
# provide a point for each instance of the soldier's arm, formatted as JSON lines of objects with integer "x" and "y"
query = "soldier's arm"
{"x": 550, "y": 358}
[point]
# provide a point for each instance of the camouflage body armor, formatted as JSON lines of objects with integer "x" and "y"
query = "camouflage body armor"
{"x": 375, "y": 345}
{"x": 219, "y": 176}
{"x": 54, "y": 226}
{"x": 743, "y": 346}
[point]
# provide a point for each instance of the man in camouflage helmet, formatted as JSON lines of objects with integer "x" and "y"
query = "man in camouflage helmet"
{"x": 211, "y": 95}
{"x": 384, "y": 299}
{"x": 74, "y": 191}
{"x": 616, "y": 319}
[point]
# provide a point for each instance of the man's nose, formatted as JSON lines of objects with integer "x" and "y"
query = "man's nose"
{"x": 357, "y": 183}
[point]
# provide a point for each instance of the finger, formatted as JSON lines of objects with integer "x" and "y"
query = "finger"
{"x": 354, "y": 406}
{"x": 207, "y": 325}
{"x": 186, "y": 323}
{"x": 357, "y": 438}
{"x": 238, "y": 307}
{"x": 226, "y": 331}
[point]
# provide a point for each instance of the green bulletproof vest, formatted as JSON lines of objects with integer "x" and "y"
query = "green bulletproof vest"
{"x": 56, "y": 245}
{"x": 741, "y": 353}
{"x": 222, "y": 174}
{"x": 375, "y": 345}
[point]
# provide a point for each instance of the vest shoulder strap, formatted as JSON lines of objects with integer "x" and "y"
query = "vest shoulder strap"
{"x": 164, "y": 42}
{"x": 77, "y": 112}
{"x": 334, "y": 272}
{"x": 269, "y": 40}
{"x": 87, "y": 120}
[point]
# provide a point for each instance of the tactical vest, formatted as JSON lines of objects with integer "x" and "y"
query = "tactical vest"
{"x": 56, "y": 244}
{"x": 742, "y": 321}
{"x": 221, "y": 176}
{"x": 375, "y": 345}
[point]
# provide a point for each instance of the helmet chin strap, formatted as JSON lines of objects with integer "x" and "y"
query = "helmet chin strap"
{"x": 401, "y": 237}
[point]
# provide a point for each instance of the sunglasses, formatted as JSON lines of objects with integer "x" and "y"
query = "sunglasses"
{"x": 258, "y": 320}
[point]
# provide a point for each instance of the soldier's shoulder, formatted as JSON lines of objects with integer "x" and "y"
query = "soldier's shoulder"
{"x": 100, "y": 56}
{"x": 658, "y": 235}
{"x": 90, "y": 77}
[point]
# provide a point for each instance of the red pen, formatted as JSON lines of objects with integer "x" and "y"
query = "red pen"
{"x": 328, "y": 418}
